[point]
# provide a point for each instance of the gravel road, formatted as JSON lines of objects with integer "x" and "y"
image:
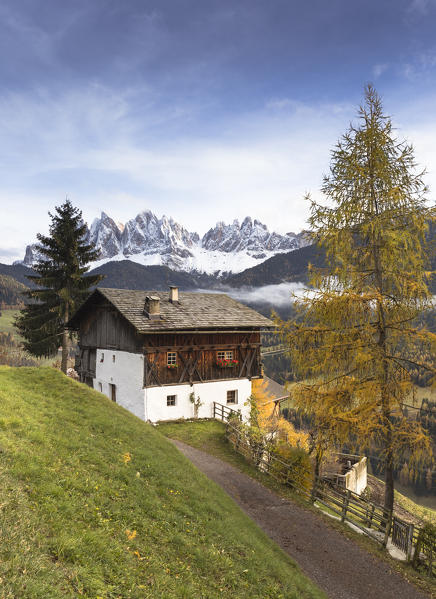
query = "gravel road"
{"x": 337, "y": 565}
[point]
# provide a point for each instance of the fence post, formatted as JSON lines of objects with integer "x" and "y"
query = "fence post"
{"x": 287, "y": 477}
{"x": 409, "y": 542}
{"x": 388, "y": 528}
{"x": 345, "y": 505}
{"x": 314, "y": 492}
{"x": 371, "y": 516}
{"x": 238, "y": 440}
{"x": 417, "y": 551}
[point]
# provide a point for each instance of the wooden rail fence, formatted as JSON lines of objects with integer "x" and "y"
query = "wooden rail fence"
{"x": 369, "y": 517}
{"x": 222, "y": 412}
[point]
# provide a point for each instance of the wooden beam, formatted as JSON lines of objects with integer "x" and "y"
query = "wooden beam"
{"x": 195, "y": 368}
{"x": 250, "y": 362}
{"x": 190, "y": 366}
{"x": 185, "y": 366}
{"x": 210, "y": 347}
{"x": 150, "y": 371}
{"x": 245, "y": 358}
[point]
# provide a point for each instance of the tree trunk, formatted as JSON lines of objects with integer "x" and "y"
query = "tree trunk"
{"x": 389, "y": 473}
{"x": 65, "y": 343}
{"x": 385, "y": 401}
{"x": 318, "y": 459}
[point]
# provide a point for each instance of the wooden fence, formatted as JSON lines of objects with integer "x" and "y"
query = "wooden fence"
{"x": 369, "y": 517}
{"x": 222, "y": 412}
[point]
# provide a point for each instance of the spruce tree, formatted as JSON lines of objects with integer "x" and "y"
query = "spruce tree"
{"x": 61, "y": 284}
{"x": 357, "y": 342}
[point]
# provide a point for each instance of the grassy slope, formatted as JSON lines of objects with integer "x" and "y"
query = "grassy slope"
{"x": 96, "y": 503}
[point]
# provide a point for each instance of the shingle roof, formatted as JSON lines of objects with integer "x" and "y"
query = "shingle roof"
{"x": 194, "y": 311}
{"x": 274, "y": 389}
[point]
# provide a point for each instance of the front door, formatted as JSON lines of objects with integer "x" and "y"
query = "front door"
{"x": 113, "y": 393}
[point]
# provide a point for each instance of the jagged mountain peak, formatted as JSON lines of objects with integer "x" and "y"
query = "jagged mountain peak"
{"x": 251, "y": 236}
{"x": 151, "y": 240}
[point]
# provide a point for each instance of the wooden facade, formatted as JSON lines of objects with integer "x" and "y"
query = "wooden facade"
{"x": 197, "y": 357}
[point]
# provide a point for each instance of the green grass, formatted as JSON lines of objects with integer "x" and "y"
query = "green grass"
{"x": 97, "y": 504}
{"x": 208, "y": 435}
{"x": 7, "y": 322}
{"x": 423, "y": 507}
{"x": 426, "y": 510}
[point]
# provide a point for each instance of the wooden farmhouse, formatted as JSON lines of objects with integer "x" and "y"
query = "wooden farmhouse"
{"x": 154, "y": 353}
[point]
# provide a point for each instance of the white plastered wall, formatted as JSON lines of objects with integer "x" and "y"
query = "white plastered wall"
{"x": 156, "y": 399}
{"x": 126, "y": 373}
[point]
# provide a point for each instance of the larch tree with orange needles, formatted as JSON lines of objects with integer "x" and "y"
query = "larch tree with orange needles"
{"x": 357, "y": 341}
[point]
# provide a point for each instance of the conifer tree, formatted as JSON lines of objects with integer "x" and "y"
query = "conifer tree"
{"x": 357, "y": 341}
{"x": 60, "y": 284}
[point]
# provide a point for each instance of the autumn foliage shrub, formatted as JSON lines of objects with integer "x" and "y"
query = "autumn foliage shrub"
{"x": 292, "y": 464}
{"x": 267, "y": 444}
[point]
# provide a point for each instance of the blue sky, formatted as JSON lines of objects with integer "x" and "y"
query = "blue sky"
{"x": 203, "y": 111}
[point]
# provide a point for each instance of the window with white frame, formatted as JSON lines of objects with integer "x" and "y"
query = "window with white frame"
{"x": 172, "y": 358}
{"x": 171, "y": 400}
{"x": 224, "y": 355}
{"x": 232, "y": 396}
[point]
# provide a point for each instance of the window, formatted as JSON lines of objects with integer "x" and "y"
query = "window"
{"x": 224, "y": 355}
{"x": 171, "y": 358}
{"x": 232, "y": 396}
{"x": 113, "y": 357}
{"x": 171, "y": 400}
{"x": 102, "y": 357}
{"x": 100, "y": 387}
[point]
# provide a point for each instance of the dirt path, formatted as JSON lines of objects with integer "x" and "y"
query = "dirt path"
{"x": 339, "y": 566}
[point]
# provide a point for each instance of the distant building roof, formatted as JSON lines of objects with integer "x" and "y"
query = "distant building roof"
{"x": 274, "y": 389}
{"x": 192, "y": 311}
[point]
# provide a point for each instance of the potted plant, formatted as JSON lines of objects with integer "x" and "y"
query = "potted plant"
{"x": 227, "y": 363}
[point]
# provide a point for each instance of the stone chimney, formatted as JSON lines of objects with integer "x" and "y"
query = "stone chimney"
{"x": 152, "y": 307}
{"x": 174, "y": 295}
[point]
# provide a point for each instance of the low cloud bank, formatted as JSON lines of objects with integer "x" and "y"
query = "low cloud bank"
{"x": 276, "y": 295}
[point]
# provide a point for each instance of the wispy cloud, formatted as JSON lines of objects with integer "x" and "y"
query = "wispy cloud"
{"x": 379, "y": 69}
{"x": 94, "y": 146}
{"x": 10, "y": 254}
{"x": 422, "y": 65}
{"x": 276, "y": 295}
{"x": 421, "y": 6}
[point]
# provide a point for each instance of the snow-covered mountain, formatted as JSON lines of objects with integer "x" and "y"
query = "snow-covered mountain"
{"x": 148, "y": 240}
{"x": 251, "y": 236}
